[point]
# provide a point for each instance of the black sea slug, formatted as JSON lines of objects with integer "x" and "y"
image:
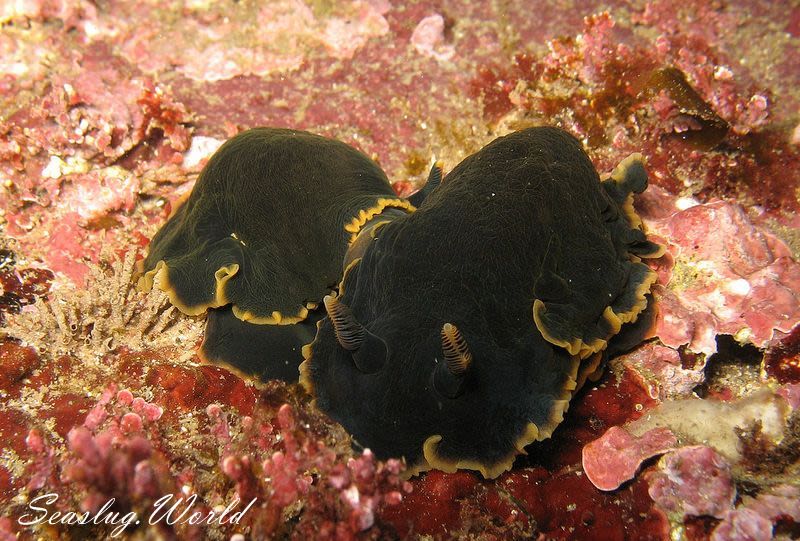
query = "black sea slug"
{"x": 263, "y": 237}
{"x": 463, "y": 330}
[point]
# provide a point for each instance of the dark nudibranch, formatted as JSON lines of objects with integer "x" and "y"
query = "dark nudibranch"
{"x": 463, "y": 331}
{"x": 263, "y": 234}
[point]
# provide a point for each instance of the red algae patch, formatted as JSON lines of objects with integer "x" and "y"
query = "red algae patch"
{"x": 456, "y": 505}
{"x": 190, "y": 388}
{"x": 782, "y": 358}
{"x": 18, "y": 362}
{"x": 565, "y": 505}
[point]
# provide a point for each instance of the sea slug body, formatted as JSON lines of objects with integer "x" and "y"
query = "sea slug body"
{"x": 262, "y": 239}
{"x": 463, "y": 330}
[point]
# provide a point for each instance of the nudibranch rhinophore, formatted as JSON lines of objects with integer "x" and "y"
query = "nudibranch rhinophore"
{"x": 264, "y": 234}
{"x": 463, "y": 330}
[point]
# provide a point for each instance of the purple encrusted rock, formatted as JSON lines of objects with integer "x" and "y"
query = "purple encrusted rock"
{"x": 743, "y": 524}
{"x": 693, "y": 481}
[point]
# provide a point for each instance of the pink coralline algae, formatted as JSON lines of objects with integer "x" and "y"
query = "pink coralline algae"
{"x": 276, "y": 469}
{"x": 677, "y": 96}
{"x": 83, "y": 116}
{"x": 97, "y": 193}
{"x": 615, "y": 457}
{"x": 791, "y": 393}
{"x": 596, "y": 47}
{"x": 228, "y": 43}
{"x": 741, "y": 442}
{"x": 662, "y": 371}
{"x": 754, "y": 519}
{"x": 743, "y": 525}
{"x": 746, "y": 284}
{"x": 42, "y": 466}
{"x": 705, "y": 66}
{"x": 59, "y": 154}
{"x": 428, "y": 39}
{"x": 71, "y": 12}
{"x": 343, "y": 36}
{"x": 339, "y": 502}
{"x": 693, "y": 481}
{"x": 123, "y": 472}
{"x": 110, "y": 464}
{"x": 780, "y": 502}
{"x": 7, "y": 530}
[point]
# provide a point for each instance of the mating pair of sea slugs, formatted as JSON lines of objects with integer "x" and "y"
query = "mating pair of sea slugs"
{"x": 451, "y": 328}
